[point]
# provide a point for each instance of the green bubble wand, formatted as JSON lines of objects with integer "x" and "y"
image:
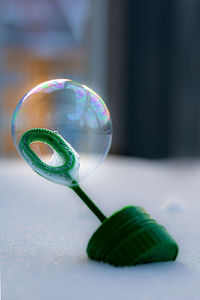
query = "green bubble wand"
{"x": 65, "y": 171}
{"x": 128, "y": 237}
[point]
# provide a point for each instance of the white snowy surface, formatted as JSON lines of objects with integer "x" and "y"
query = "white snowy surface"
{"x": 44, "y": 230}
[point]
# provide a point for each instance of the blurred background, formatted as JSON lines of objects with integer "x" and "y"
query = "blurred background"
{"x": 142, "y": 57}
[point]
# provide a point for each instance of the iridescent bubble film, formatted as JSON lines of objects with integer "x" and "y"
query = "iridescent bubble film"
{"x": 72, "y": 110}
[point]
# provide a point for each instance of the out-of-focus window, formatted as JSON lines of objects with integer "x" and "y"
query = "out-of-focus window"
{"x": 41, "y": 40}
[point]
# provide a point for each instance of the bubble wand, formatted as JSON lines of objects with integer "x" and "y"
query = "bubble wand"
{"x": 67, "y": 154}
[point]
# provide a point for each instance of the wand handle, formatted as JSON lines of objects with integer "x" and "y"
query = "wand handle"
{"x": 98, "y": 213}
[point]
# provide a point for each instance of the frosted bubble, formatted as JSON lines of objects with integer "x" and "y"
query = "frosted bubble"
{"x": 173, "y": 204}
{"x": 72, "y": 111}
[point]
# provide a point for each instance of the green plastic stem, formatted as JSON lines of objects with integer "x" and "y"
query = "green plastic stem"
{"x": 98, "y": 213}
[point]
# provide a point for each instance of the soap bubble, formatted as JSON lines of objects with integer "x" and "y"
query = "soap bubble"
{"x": 76, "y": 114}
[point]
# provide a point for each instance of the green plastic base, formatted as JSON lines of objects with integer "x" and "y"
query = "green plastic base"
{"x": 131, "y": 237}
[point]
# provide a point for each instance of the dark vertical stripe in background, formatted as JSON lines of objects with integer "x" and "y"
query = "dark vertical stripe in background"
{"x": 154, "y": 82}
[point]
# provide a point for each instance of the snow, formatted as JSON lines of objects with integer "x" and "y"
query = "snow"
{"x": 44, "y": 230}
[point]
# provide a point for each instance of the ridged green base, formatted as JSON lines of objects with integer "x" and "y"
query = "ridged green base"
{"x": 131, "y": 237}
